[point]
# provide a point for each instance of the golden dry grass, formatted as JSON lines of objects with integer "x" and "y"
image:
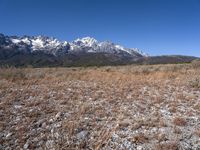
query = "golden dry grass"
{"x": 100, "y": 108}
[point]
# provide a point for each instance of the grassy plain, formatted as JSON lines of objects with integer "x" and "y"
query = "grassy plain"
{"x": 122, "y": 107}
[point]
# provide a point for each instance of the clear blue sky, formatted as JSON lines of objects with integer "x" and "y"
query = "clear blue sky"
{"x": 155, "y": 26}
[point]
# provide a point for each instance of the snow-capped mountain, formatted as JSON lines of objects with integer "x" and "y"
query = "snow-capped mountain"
{"x": 49, "y": 45}
{"x": 42, "y": 51}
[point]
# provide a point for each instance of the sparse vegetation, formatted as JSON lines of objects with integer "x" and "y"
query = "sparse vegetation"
{"x": 195, "y": 82}
{"x": 180, "y": 121}
{"x": 168, "y": 146}
{"x": 13, "y": 74}
{"x": 196, "y": 63}
{"x": 121, "y": 107}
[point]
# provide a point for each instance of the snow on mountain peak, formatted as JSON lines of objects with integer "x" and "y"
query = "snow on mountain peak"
{"x": 15, "y": 40}
{"x": 87, "y": 41}
{"x": 53, "y": 46}
{"x": 37, "y": 44}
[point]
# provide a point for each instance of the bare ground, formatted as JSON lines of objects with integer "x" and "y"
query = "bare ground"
{"x": 126, "y": 107}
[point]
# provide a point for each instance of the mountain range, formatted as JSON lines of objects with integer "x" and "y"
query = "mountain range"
{"x": 41, "y": 51}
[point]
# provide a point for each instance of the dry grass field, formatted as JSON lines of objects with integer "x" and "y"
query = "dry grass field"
{"x": 153, "y": 107}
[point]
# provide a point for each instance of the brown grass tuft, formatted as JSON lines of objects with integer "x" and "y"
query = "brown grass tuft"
{"x": 180, "y": 121}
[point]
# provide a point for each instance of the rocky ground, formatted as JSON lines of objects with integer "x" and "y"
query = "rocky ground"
{"x": 128, "y": 107}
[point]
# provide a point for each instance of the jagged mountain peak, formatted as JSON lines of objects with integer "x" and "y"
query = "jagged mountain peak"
{"x": 87, "y": 41}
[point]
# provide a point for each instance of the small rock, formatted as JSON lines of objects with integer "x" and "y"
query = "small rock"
{"x": 124, "y": 124}
{"x": 18, "y": 106}
{"x": 26, "y": 145}
{"x": 86, "y": 118}
{"x": 39, "y": 123}
{"x": 114, "y": 137}
{"x": 66, "y": 115}
{"x": 58, "y": 115}
{"x": 56, "y": 135}
{"x": 82, "y": 135}
{"x": 139, "y": 148}
{"x": 8, "y": 135}
{"x": 35, "y": 139}
{"x": 44, "y": 125}
{"x": 40, "y": 143}
{"x": 49, "y": 144}
{"x": 51, "y": 120}
{"x": 57, "y": 125}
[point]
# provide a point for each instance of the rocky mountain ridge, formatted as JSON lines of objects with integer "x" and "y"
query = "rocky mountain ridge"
{"x": 50, "y": 45}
